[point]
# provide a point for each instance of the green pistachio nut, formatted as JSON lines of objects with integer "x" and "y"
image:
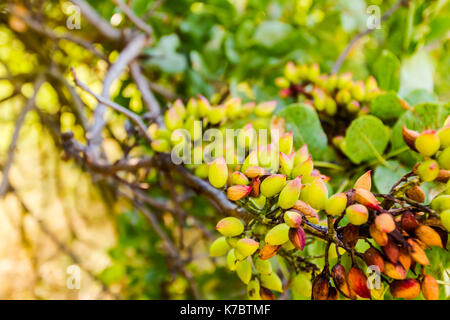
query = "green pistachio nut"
{"x": 301, "y": 155}
{"x": 441, "y": 203}
{"x": 444, "y": 137}
{"x": 253, "y": 289}
{"x": 278, "y": 235}
{"x": 428, "y": 170}
{"x": 290, "y": 193}
{"x": 238, "y": 178}
{"x": 292, "y": 218}
{"x": 271, "y": 281}
{"x": 265, "y": 109}
{"x": 218, "y": 173}
{"x": 263, "y": 266}
{"x": 244, "y": 270}
{"x": 247, "y": 246}
{"x": 161, "y": 145}
{"x": 172, "y": 119}
{"x": 217, "y": 114}
{"x": 444, "y": 159}
{"x": 315, "y": 194}
{"x": 230, "y": 226}
{"x": 301, "y": 283}
{"x": 303, "y": 169}
{"x": 286, "y": 143}
{"x": 445, "y": 219}
{"x": 272, "y": 185}
{"x": 203, "y": 106}
{"x": 336, "y": 204}
{"x": 427, "y": 143}
{"x": 232, "y": 261}
{"x": 219, "y": 247}
{"x": 357, "y": 214}
{"x": 286, "y": 163}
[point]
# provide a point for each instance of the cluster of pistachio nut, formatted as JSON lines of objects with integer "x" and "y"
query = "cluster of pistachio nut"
{"x": 327, "y": 93}
{"x": 434, "y": 147}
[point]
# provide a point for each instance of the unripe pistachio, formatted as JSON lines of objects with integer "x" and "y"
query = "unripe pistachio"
{"x": 286, "y": 163}
{"x": 253, "y": 289}
{"x": 441, "y": 203}
{"x": 232, "y": 261}
{"x": 152, "y": 129}
{"x": 358, "y": 90}
{"x": 292, "y": 218}
{"x": 430, "y": 288}
{"x": 232, "y": 241}
{"x": 271, "y": 281}
{"x": 385, "y": 222}
{"x": 303, "y": 169}
{"x": 268, "y": 157}
{"x": 290, "y": 193}
{"x": 428, "y": 236}
{"x": 344, "y": 80}
{"x": 246, "y": 136}
{"x": 282, "y": 82}
{"x": 410, "y": 136}
{"x": 218, "y": 173}
{"x": 444, "y": 137}
{"x": 238, "y": 178}
{"x": 301, "y": 155}
{"x": 191, "y": 107}
{"x": 251, "y": 160}
{"x": 247, "y": 109}
{"x": 247, "y": 246}
{"x": 291, "y": 72}
{"x": 266, "y": 294}
{"x": 343, "y": 97}
{"x": 161, "y": 145}
{"x": 428, "y": 170}
{"x": 254, "y": 171}
{"x": 336, "y": 204}
{"x": 172, "y": 119}
{"x": 301, "y": 283}
{"x": 233, "y": 107}
{"x": 265, "y": 109}
{"x": 357, "y": 214}
{"x": 330, "y": 106}
{"x": 297, "y": 237}
{"x": 203, "y": 106}
{"x": 286, "y": 143}
{"x": 444, "y": 158}
{"x": 331, "y": 82}
{"x": 357, "y": 282}
{"x": 278, "y": 235}
{"x": 315, "y": 194}
{"x": 219, "y": 247}
{"x": 179, "y": 108}
{"x": 404, "y": 259}
{"x": 353, "y": 106}
{"x": 406, "y": 289}
{"x": 263, "y": 266}
{"x": 273, "y": 185}
{"x": 427, "y": 143}
{"x": 217, "y": 114}
{"x": 244, "y": 270}
{"x": 366, "y": 198}
{"x": 230, "y": 226}
{"x": 237, "y": 192}
{"x": 371, "y": 84}
{"x": 314, "y": 72}
{"x": 445, "y": 219}
{"x": 395, "y": 271}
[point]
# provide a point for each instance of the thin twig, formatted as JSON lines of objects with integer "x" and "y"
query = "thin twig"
{"x": 134, "y": 18}
{"x": 15, "y": 137}
{"x": 360, "y": 35}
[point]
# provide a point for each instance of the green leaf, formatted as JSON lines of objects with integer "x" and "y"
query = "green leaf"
{"x": 164, "y": 55}
{"x": 425, "y": 115}
{"x": 387, "y": 71}
{"x": 386, "y": 175}
{"x": 386, "y": 106}
{"x": 304, "y": 122}
{"x": 420, "y": 96}
{"x": 270, "y": 33}
{"x": 366, "y": 139}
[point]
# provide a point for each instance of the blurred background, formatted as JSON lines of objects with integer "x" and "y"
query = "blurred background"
{"x": 65, "y": 232}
